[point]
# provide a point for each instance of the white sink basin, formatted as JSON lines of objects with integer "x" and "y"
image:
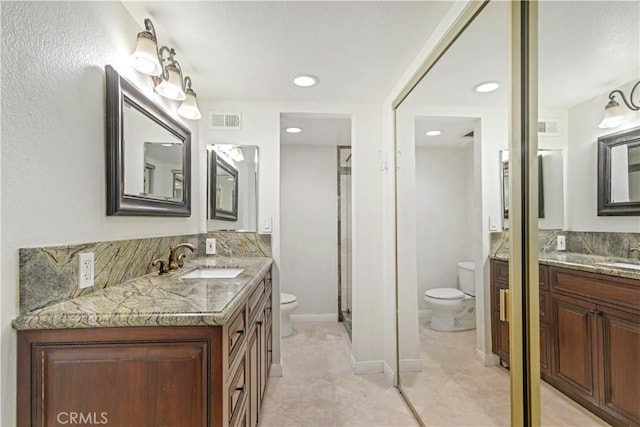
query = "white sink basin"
{"x": 621, "y": 265}
{"x": 213, "y": 273}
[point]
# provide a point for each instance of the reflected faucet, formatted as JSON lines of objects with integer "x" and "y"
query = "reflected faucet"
{"x": 177, "y": 261}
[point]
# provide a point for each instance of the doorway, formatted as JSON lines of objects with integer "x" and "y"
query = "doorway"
{"x": 344, "y": 238}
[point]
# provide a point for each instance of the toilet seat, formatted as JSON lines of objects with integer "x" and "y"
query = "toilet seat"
{"x": 287, "y": 298}
{"x": 445, "y": 293}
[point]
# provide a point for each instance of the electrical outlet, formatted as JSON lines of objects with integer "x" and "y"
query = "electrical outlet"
{"x": 85, "y": 270}
{"x": 211, "y": 246}
{"x": 561, "y": 243}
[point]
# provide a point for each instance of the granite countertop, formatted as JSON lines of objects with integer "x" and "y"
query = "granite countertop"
{"x": 154, "y": 300}
{"x": 590, "y": 263}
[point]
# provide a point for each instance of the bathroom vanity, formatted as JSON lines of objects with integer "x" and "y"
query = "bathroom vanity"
{"x": 589, "y": 332}
{"x": 156, "y": 350}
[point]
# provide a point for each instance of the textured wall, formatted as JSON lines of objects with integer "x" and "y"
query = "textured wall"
{"x": 53, "y": 142}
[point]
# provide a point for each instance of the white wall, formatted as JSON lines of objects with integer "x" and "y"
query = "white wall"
{"x": 582, "y": 194}
{"x": 309, "y": 244}
{"x": 261, "y": 127}
{"x": 53, "y": 142}
{"x": 444, "y": 203}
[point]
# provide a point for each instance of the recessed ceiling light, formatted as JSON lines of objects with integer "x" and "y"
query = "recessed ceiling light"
{"x": 433, "y": 132}
{"x": 293, "y": 130}
{"x": 305, "y": 81}
{"x": 487, "y": 87}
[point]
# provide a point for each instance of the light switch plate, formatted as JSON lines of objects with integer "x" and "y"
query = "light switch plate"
{"x": 494, "y": 222}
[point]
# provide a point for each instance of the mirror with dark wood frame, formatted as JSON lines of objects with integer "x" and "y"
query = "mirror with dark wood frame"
{"x": 148, "y": 154}
{"x": 619, "y": 173}
{"x": 223, "y": 189}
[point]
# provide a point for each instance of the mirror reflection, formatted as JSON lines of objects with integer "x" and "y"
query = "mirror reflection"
{"x": 233, "y": 187}
{"x": 619, "y": 173}
{"x": 550, "y": 189}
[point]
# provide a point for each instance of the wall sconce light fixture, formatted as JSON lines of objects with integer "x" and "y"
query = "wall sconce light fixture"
{"x": 613, "y": 114}
{"x": 168, "y": 80}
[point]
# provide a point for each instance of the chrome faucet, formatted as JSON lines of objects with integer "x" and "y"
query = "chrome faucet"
{"x": 177, "y": 261}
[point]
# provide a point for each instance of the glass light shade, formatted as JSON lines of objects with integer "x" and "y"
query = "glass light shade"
{"x": 613, "y": 116}
{"x": 145, "y": 57}
{"x": 172, "y": 87}
{"x": 189, "y": 107}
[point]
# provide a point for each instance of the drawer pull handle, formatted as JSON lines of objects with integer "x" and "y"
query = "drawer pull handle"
{"x": 259, "y": 322}
{"x": 596, "y": 313}
{"x": 240, "y": 332}
{"x": 504, "y": 298}
{"x": 240, "y": 389}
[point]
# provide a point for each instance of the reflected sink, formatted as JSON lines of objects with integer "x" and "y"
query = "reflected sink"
{"x": 620, "y": 265}
{"x": 213, "y": 273}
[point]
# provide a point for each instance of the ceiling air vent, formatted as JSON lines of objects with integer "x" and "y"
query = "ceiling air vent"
{"x": 548, "y": 128}
{"x": 225, "y": 120}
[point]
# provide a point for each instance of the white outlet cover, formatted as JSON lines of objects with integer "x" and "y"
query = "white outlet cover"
{"x": 210, "y": 246}
{"x": 561, "y": 243}
{"x": 85, "y": 270}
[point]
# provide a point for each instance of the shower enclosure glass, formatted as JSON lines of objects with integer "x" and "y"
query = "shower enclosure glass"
{"x": 344, "y": 237}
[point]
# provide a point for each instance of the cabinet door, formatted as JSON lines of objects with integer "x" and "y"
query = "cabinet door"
{"x": 574, "y": 366}
{"x": 253, "y": 351}
{"x": 121, "y": 384}
{"x": 620, "y": 355}
{"x": 545, "y": 350}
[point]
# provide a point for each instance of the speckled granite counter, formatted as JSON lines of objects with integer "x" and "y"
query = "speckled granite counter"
{"x": 154, "y": 300}
{"x": 585, "y": 262}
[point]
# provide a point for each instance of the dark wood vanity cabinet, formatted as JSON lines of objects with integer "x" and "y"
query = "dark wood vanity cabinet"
{"x": 596, "y": 344}
{"x": 500, "y": 329}
{"x": 149, "y": 376}
{"x": 589, "y": 338}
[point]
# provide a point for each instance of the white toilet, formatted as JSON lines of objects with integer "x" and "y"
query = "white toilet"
{"x": 288, "y": 303}
{"x": 454, "y": 309}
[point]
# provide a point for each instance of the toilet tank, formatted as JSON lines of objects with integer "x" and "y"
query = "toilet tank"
{"x": 466, "y": 282}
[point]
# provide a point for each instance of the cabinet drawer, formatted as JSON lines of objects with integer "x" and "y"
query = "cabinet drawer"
{"x": 236, "y": 334}
{"x": 600, "y": 287}
{"x": 255, "y": 298}
{"x": 236, "y": 392}
{"x": 543, "y": 276}
{"x": 500, "y": 271}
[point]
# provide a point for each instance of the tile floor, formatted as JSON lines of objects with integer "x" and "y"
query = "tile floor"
{"x": 319, "y": 389}
{"x": 454, "y": 388}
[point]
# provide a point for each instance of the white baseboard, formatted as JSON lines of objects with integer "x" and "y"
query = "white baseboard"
{"x": 307, "y": 318}
{"x": 368, "y": 367}
{"x": 488, "y": 359}
{"x": 276, "y": 370}
{"x": 389, "y": 374}
{"x": 411, "y": 365}
{"x": 424, "y": 315}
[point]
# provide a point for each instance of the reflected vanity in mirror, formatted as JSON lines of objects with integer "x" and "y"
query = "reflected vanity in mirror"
{"x": 148, "y": 154}
{"x": 232, "y": 187}
{"x": 619, "y": 173}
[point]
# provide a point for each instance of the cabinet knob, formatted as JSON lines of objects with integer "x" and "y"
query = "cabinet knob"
{"x": 240, "y": 331}
{"x": 596, "y": 313}
{"x": 259, "y": 322}
{"x": 240, "y": 389}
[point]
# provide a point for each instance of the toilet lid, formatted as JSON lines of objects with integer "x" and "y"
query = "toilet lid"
{"x": 445, "y": 293}
{"x": 287, "y": 298}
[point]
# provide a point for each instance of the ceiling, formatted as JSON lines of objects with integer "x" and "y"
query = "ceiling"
{"x": 317, "y": 129}
{"x": 586, "y": 48}
{"x": 251, "y": 50}
{"x": 453, "y": 131}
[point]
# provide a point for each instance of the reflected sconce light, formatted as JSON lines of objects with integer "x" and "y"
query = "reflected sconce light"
{"x": 613, "y": 114}
{"x": 168, "y": 79}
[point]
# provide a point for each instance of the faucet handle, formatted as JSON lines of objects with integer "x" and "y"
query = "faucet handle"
{"x": 636, "y": 250}
{"x": 164, "y": 267}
